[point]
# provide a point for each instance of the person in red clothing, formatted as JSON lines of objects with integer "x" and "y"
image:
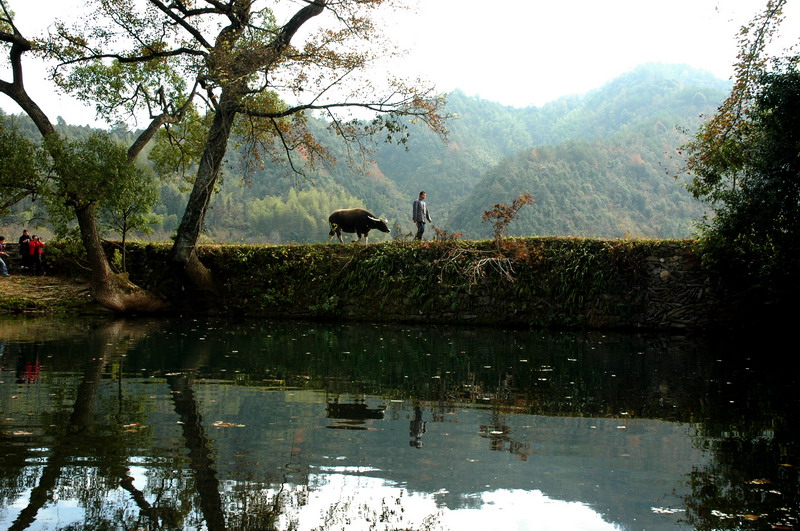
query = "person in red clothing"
{"x": 36, "y": 249}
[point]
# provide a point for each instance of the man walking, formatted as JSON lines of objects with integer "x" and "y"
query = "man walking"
{"x": 420, "y": 215}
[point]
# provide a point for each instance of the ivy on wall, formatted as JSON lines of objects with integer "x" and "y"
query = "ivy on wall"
{"x": 548, "y": 281}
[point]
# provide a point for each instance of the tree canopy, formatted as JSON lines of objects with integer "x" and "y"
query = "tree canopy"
{"x": 753, "y": 183}
{"x": 21, "y": 174}
{"x": 745, "y": 162}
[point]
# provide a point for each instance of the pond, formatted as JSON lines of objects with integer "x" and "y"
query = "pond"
{"x": 245, "y": 424}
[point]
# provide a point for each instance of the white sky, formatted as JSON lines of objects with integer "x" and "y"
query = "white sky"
{"x": 515, "y": 52}
{"x": 525, "y": 53}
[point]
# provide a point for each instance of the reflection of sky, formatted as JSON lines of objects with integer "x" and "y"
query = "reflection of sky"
{"x": 516, "y": 469}
{"x": 341, "y": 501}
{"x": 66, "y": 512}
{"x": 501, "y": 509}
{"x": 622, "y": 467}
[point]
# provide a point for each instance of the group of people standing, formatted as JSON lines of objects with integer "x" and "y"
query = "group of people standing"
{"x": 31, "y": 249}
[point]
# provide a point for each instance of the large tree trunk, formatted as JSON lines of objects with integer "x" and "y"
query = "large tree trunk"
{"x": 193, "y": 275}
{"x": 114, "y": 291}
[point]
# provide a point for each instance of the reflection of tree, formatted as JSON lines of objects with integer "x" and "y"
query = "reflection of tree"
{"x": 192, "y": 473}
{"x": 574, "y": 374}
{"x": 751, "y": 431}
{"x": 196, "y": 442}
{"x": 78, "y": 422}
{"x": 257, "y": 505}
{"x": 79, "y": 434}
{"x": 751, "y": 484}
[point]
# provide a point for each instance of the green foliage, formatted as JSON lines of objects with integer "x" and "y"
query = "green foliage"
{"x": 640, "y": 114}
{"x": 21, "y": 172}
{"x": 179, "y": 146}
{"x": 67, "y": 257}
{"x": 130, "y": 209}
{"x": 116, "y": 261}
{"x": 752, "y": 181}
{"x": 77, "y": 170}
{"x": 92, "y": 172}
{"x": 612, "y": 188}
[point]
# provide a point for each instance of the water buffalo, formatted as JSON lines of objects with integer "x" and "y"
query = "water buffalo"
{"x": 355, "y": 220}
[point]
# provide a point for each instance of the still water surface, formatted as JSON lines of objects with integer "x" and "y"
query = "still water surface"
{"x": 213, "y": 424}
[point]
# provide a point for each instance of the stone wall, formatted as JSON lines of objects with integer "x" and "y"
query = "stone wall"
{"x": 680, "y": 293}
{"x": 531, "y": 282}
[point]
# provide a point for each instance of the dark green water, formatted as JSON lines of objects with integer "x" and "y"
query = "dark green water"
{"x": 190, "y": 424}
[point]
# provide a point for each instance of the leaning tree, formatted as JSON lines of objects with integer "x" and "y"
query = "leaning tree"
{"x": 205, "y": 71}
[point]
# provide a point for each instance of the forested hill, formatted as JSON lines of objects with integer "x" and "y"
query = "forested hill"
{"x": 600, "y": 164}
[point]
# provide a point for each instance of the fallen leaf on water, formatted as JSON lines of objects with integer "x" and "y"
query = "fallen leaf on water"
{"x": 221, "y": 424}
{"x": 750, "y": 516}
{"x": 761, "y": 481}
{"x": 20, "y": 432}
{"x": 666, "y": 510}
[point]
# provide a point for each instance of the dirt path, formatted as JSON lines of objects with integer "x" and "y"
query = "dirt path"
{"x": 24, "y": 293}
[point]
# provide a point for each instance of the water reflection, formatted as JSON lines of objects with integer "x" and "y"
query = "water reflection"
{"x": 165, "y": 424}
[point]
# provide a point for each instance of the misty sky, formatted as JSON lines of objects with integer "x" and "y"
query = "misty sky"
{"x": 516, "y": 52}
{"x": 530, "y": 52}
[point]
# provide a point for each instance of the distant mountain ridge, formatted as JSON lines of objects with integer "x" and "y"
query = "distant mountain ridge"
{"x": 603, "y": 166}
{"x": 600, "y": 164}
